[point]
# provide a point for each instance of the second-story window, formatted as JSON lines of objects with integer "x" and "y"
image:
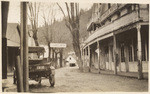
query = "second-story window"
{"x": 109, "y": 6}
{"x": 109, "y": 19}
{"x": 129, "y": 9}
{"x": 118, "y": 15}
{"x": 87, "y": 51}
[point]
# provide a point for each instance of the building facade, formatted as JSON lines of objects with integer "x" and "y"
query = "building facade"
{"x": 13, "y": 44}
{"x": 118, "y": 38}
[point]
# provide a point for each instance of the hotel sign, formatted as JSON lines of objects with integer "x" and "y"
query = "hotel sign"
{"x": 58, "y": 45}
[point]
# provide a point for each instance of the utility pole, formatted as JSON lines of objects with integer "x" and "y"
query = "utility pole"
{"x": 19, "y": 74}
{"x": 61, "y": 57}
{"x": 4, "y": 9}
{"x": 24, "y": 46}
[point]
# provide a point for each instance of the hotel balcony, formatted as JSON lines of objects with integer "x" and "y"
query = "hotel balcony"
{"x": 125, "y": 19}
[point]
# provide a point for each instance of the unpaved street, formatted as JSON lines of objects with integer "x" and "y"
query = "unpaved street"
{"x": 70, "y": 79}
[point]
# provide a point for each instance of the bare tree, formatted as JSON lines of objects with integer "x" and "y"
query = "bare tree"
{"x": 33, "y": 17}
{"x": 49, "y": 19}
{"x": 72, "y": 23}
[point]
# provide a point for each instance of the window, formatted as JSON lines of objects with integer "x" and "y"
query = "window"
{"x": 109, "y": 6}
{"x": 109, "y": 19}
{"x": 135, "y": 52}
{"x": 143, "y": 51}
{"x": 122, "y": 53}
{"x": 84, "y": 51}
{"x": 130, "y": 53}
{"x": 118, "y": 14}
{"x": 87, "y": 51}
{"x": 129, "y": 9}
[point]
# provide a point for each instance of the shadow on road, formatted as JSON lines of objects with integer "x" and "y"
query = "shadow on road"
{"x": 36, "y": 86}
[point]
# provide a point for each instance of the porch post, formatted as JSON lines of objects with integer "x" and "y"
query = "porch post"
{"x": 132, "y": 51}
{"x": 139, "y": 53}
{"x": 89, "y": 61}
{"x": 114, "y": 52}
{"x": 98, "y": 47}
{"x": 83, "y": 57}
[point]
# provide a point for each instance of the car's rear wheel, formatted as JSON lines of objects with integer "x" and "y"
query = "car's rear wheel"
{"x": 52, "y": 80}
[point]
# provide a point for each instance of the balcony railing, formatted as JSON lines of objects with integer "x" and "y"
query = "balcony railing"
{"x": 93, "y": 19}
{"x": 106, "y": 14}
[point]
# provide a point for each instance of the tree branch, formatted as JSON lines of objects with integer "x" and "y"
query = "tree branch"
{"x": 68, "y": 13}
{"x": 61, "y": 10}
{"x": 72, "y": 11}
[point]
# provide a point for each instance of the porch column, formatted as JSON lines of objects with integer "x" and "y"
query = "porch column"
{"x": 139, "y": 53}
{"x": 83, "y": 57}
{"x": 132, "y": 51}
{"x": 114, "y": 52}
{"x": 89, "y": 58}
{"x": 119, "y": 56}
{"x": 98, "y": 47}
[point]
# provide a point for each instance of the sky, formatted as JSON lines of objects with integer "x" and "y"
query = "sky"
{"x": 14, "y": 11}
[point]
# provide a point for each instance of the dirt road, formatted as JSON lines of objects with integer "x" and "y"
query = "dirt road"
{"x": 70, "y": 79}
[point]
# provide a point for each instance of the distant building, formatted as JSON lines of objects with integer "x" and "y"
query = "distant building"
{"x": 120, "y": 33}
{"x": 71, "y": 60}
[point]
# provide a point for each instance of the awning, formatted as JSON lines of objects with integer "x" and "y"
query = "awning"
{"x": 11, "y": 43}
{"x": 36, "y": 49}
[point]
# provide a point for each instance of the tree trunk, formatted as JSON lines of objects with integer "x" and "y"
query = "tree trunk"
{"x": 55, "y": 60}
{"x": 61, "y": 57}
{"x": 35, "y": 38}
{"x": 76, "y": 47}
{"x": 49, "y": 52}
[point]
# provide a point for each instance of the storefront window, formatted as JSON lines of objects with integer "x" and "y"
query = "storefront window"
{"x": 122, "y": 54}
{"x": 130, "y": 53}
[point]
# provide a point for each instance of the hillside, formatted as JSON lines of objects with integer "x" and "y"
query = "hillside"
{"x": 62, "y": 33}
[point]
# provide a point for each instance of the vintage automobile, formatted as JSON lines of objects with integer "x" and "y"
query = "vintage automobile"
{"x": 39, "y": 67}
